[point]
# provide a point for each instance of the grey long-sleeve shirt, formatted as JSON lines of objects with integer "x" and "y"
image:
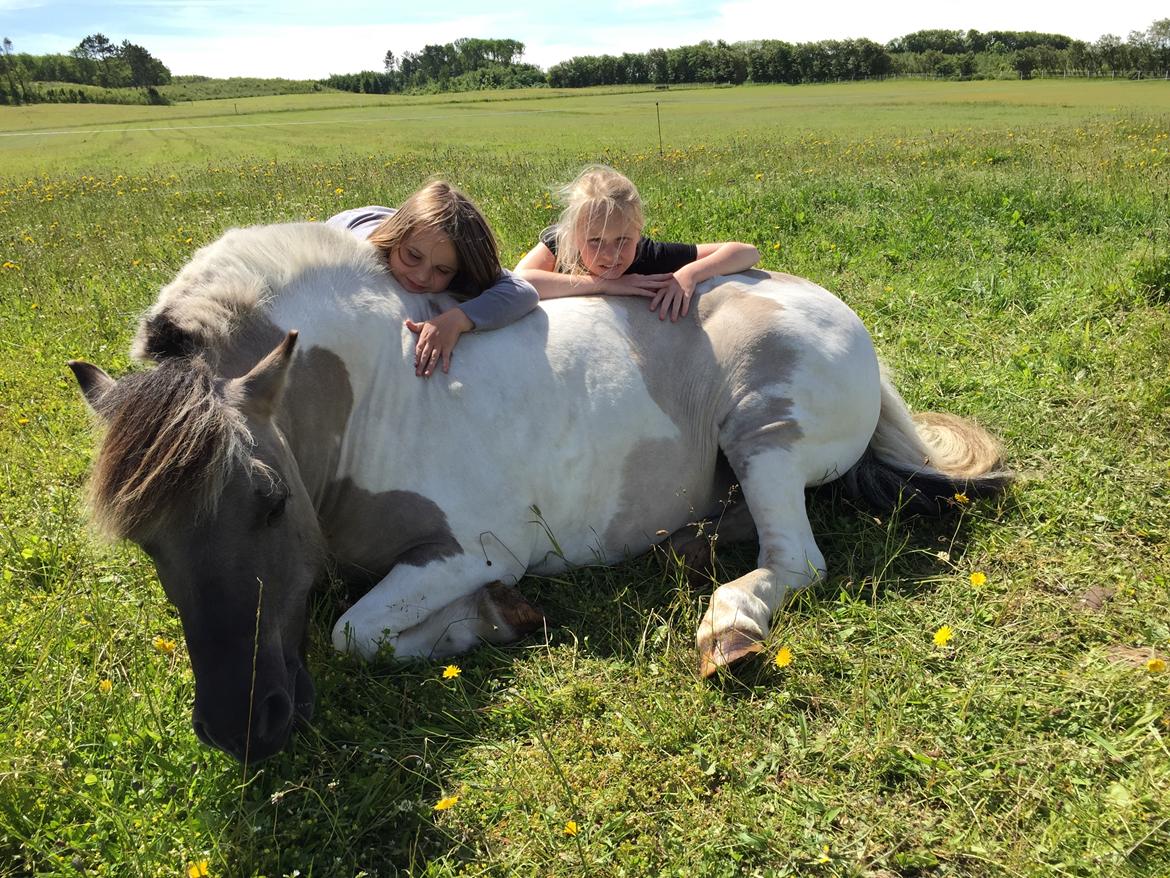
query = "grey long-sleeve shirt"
{"x": 504, "y": 302}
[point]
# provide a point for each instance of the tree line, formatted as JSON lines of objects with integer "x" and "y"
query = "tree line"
{"x": 968, "y": 54}
{"x": 468, "y": 64}
{"x": 96, "y": 61}
{"x": 937, "y": 53}
{"x": 97, "y": 66}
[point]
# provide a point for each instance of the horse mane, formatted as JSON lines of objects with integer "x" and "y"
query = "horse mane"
{"x": 241, "y": 272}
{"x": 170, "y": 439}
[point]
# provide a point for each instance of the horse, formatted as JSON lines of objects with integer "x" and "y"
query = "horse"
{"x": 277, "y": 426}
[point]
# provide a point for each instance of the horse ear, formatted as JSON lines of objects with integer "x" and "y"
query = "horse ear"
{"x": 258, "y": 392}
{"x": 94, "y": 382}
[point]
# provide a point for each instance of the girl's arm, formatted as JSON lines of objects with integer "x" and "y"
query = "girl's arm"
{"x": 539, "y": 267}
{"x": 726, "y": 258}
{"x": 361, "y": 221}
{"x": 504, "y": 302}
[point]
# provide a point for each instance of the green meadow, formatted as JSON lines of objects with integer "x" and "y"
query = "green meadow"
{"x": 983, "y": 695}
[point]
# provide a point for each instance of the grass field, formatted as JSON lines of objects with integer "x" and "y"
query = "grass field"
{"x": 1008, "y": 244}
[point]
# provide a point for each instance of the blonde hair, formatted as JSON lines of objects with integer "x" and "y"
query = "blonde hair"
{"x": 440, "y": 207}
{"x": 598, "y": 191}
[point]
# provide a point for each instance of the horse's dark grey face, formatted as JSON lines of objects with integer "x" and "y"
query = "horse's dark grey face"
{"x": 240, "y": 579}
{"x": 225, "y": 516}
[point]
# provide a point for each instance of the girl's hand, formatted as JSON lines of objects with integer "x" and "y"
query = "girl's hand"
{"x": 436, "y": 339}
{"x": 637, "y": 284}
{"x": 674, "y": 298}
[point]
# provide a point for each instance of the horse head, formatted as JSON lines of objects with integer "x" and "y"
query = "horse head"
{"x": 194, "y": 469}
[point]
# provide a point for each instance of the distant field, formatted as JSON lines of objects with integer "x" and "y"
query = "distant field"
{"x": 335, "y": 125}
{"x": 1008, "y": 244}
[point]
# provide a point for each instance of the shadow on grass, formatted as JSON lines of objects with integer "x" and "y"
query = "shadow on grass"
{"x": 868, "y": 556}
{"x": 358, "y": 788}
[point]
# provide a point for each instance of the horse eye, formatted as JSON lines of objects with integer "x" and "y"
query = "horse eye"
{"x": 277, "y": 510}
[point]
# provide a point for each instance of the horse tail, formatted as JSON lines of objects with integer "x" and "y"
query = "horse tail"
{"x": 919, "y": 462}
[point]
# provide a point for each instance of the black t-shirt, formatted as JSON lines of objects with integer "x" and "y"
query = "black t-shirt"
{"x": 651, "y": 257}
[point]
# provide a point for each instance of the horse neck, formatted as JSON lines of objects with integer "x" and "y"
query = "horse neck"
{"x": 353, "y": 345}
{"x": 353, "y": 364}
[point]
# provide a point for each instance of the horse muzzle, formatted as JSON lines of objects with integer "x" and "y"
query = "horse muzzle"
{"x": 257, "y": 725}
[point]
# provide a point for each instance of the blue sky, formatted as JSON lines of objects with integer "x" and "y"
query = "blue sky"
{"x": 303, "y": 40}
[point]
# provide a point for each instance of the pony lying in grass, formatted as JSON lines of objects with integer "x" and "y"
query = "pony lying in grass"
{"x": 250, "y": 455}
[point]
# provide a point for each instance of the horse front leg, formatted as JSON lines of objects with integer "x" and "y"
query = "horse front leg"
{"x": 739, "y": 616}
{"x": 495, "y": 613}
{"x": 439, "y": 609}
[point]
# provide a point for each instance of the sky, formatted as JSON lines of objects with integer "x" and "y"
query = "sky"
{"x": 310, "y": 39}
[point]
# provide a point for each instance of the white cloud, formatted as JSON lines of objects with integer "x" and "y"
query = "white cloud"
{"x": 301, "y": 52}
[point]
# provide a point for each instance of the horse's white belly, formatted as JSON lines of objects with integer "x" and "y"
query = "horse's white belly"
{"x": 571, "y": 462}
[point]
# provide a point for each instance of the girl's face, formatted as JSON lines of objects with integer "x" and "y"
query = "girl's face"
{"x": 425, "y": 262}
{"x": 608, "y": 244}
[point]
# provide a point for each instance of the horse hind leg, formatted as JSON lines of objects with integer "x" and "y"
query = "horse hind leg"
{"x": 739, "y": 616}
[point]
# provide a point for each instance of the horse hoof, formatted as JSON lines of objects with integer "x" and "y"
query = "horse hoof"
{"x": 514, "y": 610}
{"x": 728, "y": 649}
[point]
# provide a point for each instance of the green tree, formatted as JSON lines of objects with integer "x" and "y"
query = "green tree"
{"x": 1112, "y": 53}
{"x": 1157, "y": 38}
{"x": 98, "y": 48}
{"x": 11, "y": 95}
{"x": 145, "y": 69}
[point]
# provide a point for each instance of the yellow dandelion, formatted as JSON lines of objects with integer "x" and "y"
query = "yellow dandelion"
{"x": 978, "y": 578}
{"x": 34, "y": 306}
{"x": 1155, "y": 666}
{"x": 571, "y": 827}
{"x": 161, "y": 644}
{"x": 338, "y": 191}
{"x": 451, "y": 671}
{"x": 783, "y": 658}
{"x": 759, "y": 176}
{"x": 961, "y": 498}
{"x": 22, "y": 421}
{"x": 198, "y": 870}
{"x": 776, "y": 246}
{"x": 824, "y": 857}
{"x": 10, "y": 265}
{"x": 943, "y": 635}
{"x": 446, "y": 802}
{"x": 105, "y": 686}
